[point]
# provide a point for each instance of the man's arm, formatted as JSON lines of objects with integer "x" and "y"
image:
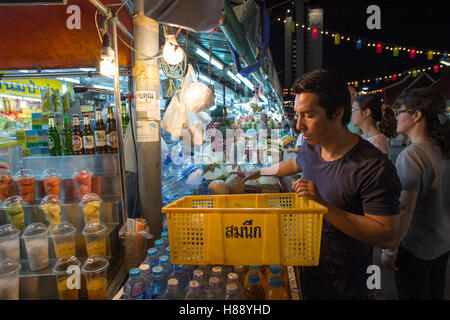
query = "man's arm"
{"x": 284, "y": 168}
{"x": 381, "y": 231}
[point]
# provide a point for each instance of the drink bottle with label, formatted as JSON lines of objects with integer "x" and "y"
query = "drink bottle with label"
{"x": 88, "y": 137}
{"x": 134, "y": 287}
{"x": 77, "y": 136}
{"x": 111, "y": 132}
{"x": 67, "y": 138}
{"x": 256, "y": 270}
{"x": 100, "y": 134}
{"x": 54, "y": 141}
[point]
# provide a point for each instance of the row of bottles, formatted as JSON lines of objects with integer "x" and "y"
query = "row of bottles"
{"x": 75, "y": 141}
{"x": 177, "y": 282}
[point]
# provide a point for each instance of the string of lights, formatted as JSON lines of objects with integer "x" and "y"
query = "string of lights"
{"x": 381, "y": 47}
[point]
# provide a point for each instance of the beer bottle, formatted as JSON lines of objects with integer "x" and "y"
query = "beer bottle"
{"x": 125, "y": 118}
{"x": 88, "y": 137}
{"x": 100, "y": 134}
{"x": 111, "y": 133}
{"x": 77, "y": 136}
{"x": 67, "y": 138}
{"x": 54, "y": 141}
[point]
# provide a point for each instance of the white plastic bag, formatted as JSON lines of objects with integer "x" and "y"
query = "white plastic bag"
{"x": 195, "y": 95}
{"x": 175, "y": 117}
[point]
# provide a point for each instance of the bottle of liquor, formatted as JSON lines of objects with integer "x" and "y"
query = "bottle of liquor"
{"x": 54, "y": 141}
{"x": 67, "y": 138}
{"x": 88, "y": 137}
{"x": 125, "y": 118}
{"x": 111, "y": 133}
{"x": 77, "y": 136}
{"x": 100, "y": 134}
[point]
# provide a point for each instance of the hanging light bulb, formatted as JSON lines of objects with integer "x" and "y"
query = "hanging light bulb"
{"x": 172, "y": 53}
{"x": 107, "y": 66}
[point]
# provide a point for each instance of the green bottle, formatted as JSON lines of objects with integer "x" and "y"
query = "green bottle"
{"x": 54, "y": 142}
{"x": 67, "y": 138}
{"x": 125, "y": 118}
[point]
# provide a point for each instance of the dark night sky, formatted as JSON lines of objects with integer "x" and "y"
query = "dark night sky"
{"x": 414, "y": 23}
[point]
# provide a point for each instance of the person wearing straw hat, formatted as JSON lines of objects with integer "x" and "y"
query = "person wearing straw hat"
{"x": 352, "y": 178}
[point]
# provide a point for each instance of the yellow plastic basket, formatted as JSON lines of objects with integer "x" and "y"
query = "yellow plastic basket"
{"x": 248, "y": 229}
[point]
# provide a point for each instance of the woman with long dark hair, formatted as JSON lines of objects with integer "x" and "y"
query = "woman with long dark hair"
{"x": 376, "y": 124}
{"x": 423, "y": 245}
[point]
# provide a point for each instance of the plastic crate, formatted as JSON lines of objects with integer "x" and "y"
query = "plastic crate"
{"x": 248, "y": 229}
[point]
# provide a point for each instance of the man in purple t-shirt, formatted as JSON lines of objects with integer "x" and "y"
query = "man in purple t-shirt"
{"x": 353, "y": 179}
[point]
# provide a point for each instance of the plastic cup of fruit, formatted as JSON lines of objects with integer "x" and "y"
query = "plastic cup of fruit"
{"x": 6, "y": 185}
{"x": 51, "y": 207}
{"x": 13, "y": 207}
{"x": 63, "y": 236}
{"x": 67, "y": 284}
{"x": 95, "y": 271}
{"x": 9, "y": 243}
{"x": 36, "y": 244}
{"x": 95, "y": 236}
{"x": 25, "y": 179}
{"x": 83, "y": 182}
{"x": 9, "y": 279}
{"x": 52, "y": 180}
{"x": 90, "y": 205}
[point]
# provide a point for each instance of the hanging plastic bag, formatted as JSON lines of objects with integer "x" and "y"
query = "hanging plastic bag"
{"x": 175, "y": 118}
{"x": 195, "y": 95}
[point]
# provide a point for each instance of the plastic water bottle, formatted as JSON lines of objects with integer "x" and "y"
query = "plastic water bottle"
{"x": 241, "y": 271}
{"x": 233, "y": 277}
{"x": 215, "y": 290}
{"x": 173, "y": 291}
{"x": 168, "y": 254}
{"x": 199, "y": 276}
{"x": 157, "y": 287}
{"x": 167, "y": 268}
{"x": 194, "y": 292}
{"x": 206, "y": 271}
{"x": 146, "y": 275}
{"x": 233, "y": 292}
{"x": 203, "y": 188}
{"x": 165, "y": 238}
{"x": 159, "y": 245}
{"x": 164, "y": 222}
{"x": 152, "y": 258}
{"x": 189, "y": 270}
{"x": 134, "y": 288}
{"x": 276, "y": 290}
{"x": 179, "y": 274}
{"x": 217, "y": 271}
{"x": 253, "y": 290}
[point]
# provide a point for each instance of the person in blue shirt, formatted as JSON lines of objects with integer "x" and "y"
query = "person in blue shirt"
{"x": 355, "y": 181}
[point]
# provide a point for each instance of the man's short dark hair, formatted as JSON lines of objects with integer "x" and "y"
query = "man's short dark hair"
{"x": 330, "y": 88}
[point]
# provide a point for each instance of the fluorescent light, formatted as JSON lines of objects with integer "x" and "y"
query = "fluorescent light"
{"x": 69, "y": 80}
{"x": 88, "y": 69}
{"x": 204, "y": 78}
{"x": 246, "y": 82}
{"x": 232, "y": 76}
{"x": 365, "y": 88}
{"x": 205, "y": 56}
{"x": 102, "y": 87}
{"x": 445, "y": 62}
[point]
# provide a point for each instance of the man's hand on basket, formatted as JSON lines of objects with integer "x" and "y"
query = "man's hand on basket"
{"x": 248, "y": 175}
{"x": 307, "y": 189}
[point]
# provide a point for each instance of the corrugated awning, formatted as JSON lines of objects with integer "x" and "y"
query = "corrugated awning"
{"x": 39, "y": 35}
